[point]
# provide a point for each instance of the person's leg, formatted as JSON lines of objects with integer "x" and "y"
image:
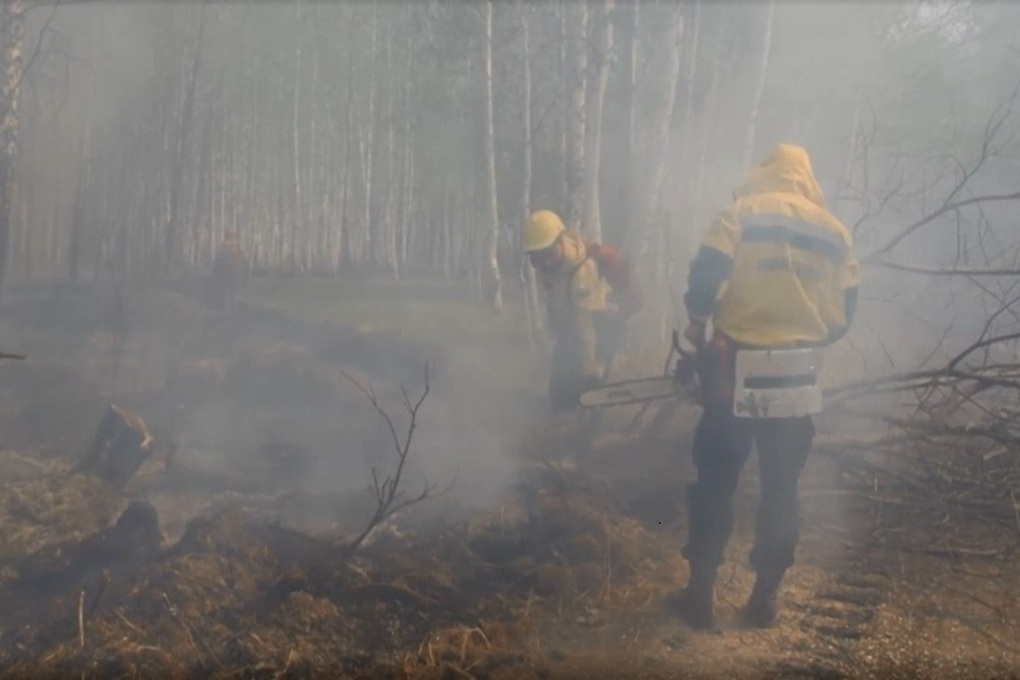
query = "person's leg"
{"x": 562, "y": 377}
{"x": 783, "y": 448}
{"x": 721, "y": 446}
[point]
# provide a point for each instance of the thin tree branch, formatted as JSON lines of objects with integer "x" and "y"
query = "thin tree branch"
{"x": 35, "y": 53}
{"x": 389, "y": 496}
{"x": 872, "y": 257}
{"x": 948, "y": 271}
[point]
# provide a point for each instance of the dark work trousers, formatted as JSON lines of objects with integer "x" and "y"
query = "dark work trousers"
{"x": 722, "y": 443}
{"x": 567, "y": 377}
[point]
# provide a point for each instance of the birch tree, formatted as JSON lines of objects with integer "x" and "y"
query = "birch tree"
{"x": 183, "y": 124}
{"x": 576, "y": 40}
{"x": 493, "y": 283}
{"x": 12, "y": 38}
{"x": 596, "y": 102}
{"x": 763, "y": 62}
{"x": 528, "y": 280}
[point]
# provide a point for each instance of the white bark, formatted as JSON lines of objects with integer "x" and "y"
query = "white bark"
{"x": 296, "y": 214}
{"x": 528, "y": 281}
{"x": 577, "y": 55}
{"x": 493, "y": 283}
{"x": 766, "y": 50}
{"x": 593, "y": 152}
{"x": 368, "y": 145}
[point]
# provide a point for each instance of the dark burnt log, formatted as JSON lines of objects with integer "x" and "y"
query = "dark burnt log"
{"x": 121, "y": 445}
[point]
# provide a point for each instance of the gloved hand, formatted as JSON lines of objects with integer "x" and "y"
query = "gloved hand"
{"x": 685, "y": 370}
{"x": 695, "y": 334}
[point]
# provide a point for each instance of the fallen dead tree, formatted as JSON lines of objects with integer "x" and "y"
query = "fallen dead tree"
{"x": 944, "y": 461}
{"x": 948, "y": 449}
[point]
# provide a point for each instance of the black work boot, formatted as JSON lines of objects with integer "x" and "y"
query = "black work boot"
{"x": 760, "y": 610}
{"x": 694, "y": 603}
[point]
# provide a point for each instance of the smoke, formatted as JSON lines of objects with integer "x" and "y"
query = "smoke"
{"x": 882, "y": 96}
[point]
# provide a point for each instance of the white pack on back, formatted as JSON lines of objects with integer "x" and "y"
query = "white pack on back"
{"x": 779, "y": 383}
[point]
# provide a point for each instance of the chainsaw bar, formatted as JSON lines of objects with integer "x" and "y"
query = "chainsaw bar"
{"x": 637, "y": 391}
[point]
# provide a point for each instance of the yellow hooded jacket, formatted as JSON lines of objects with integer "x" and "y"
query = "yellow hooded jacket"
{"x": 776, "y": 269}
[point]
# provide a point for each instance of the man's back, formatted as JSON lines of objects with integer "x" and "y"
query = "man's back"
{"x": 789, "y": 260}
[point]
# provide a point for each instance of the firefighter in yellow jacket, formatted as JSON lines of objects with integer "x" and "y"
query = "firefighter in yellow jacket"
{"x": 573, "y": 295}
{"x": 776, "y": 270}
{"x": 589, "y": 293}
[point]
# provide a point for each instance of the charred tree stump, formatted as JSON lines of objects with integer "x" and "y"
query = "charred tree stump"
{"x": 122, "y": 443}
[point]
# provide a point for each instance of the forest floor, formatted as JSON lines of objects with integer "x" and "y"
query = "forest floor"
{"x": 544, "y": 551}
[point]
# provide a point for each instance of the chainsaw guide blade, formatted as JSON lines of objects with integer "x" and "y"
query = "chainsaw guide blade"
{"x": 636, "y": 392}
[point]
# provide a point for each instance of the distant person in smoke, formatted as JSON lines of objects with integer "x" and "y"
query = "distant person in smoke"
{"x": 229, "y": 273}
{"x": 776, "y": 270}
{"x": 589, "y": 293}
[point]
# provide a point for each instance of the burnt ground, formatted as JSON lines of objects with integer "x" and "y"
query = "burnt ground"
{"x": 544, "y": 554}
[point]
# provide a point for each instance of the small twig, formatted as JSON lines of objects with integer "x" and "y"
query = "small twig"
{"x": 120, "y": 615}
{"x": 460, "y": 672}
{"x": 607, "y": 587}
{"x": 388, "y": 494}
{"x": 35, "y": 53}
{"x": 81, "y": 618}
{"x": 187, "y": 630}
{"x": 395, "y": 589}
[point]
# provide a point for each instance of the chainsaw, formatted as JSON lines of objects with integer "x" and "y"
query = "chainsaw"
{"x": 681, "y": 384}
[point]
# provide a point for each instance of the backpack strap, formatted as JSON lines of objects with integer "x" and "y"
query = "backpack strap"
{"x": 573, "y": 272}
{"x": 577, "y": 267}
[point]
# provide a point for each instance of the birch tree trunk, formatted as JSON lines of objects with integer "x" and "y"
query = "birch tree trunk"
{"x": 407, "y": 213}
{"x": 630, "y": 52}
{"x": 680, "y": 178}
{"x": 658, "y": 131}
{"x": 528, "y": 281}
{"x": 766, "y": 50}
{"x": 388, "y": 218}
{"x": 651, "y": 230}
{"x": 12, "y": 39}
{"x": 368, "y": 151}
{"x": 596, "y": 101}
{"x": 296, "y": 216}
{"x": 343, "y": 254}
{"x": 172, "y": 242}
{"x": 493, "y": 284}
{"x": 577, "y": 55}
{"x": 701, "y": 166}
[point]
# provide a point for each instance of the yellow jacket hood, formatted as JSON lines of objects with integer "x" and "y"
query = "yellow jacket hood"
{"x": 574, "y": 251}
{"x": 786, "y": 170}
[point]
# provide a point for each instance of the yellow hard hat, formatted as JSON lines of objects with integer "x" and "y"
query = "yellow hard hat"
{"x": 542, "y": 230}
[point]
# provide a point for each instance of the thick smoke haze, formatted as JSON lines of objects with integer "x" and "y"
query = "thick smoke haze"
{"x": 351, "y": 138}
